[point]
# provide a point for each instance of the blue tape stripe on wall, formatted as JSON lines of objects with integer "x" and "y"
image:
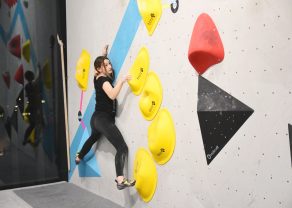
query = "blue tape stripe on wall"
{"x": 26, "y": 33}
{"x": 118, "y": 53}
{"x": 125, "y": 36}
{"x": 13, "y": 23}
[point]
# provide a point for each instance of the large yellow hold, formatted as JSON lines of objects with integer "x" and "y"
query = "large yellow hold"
{"x": 151, "y": 97}
{"x": 139, "y": 71}
{"x": 31, "y": 137}
{"x": 26, "y": 51}
{"x": 150, "y": 11}
{"x": 145, "y": 174}
{"x": 82, "y": 70}
{"x": 161, "y": 137}
{"x": 26, "y": 114}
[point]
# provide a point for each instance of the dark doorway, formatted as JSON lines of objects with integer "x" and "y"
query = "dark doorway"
{"x": 32, "y": 126}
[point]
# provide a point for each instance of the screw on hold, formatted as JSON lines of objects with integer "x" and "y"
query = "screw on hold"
{"x": 161, "y": 151}
{"x": 153, "y": 102}
{"x": 140, "y": 74}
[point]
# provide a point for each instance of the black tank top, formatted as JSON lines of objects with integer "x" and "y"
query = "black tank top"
{"x": 103, "y": 102}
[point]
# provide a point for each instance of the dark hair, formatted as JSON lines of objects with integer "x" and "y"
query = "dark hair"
{"x": 29, "y": 76}
{"x": 99, "y": 61}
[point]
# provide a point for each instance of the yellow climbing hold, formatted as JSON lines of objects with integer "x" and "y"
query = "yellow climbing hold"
{"x": 26, "y": 51}
{"x": 151, "y": 97}
{"x": 26, "y": 113}
{"x": 31, "y": 137}
{"x": 150, "y": 11}
{"x": 139, "y": 71}
{"x": 161, "y": 137}
{"x": 82, "y": 70}
{"x": 145, "y": 174}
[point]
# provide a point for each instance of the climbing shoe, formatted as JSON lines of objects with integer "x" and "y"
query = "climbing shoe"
{"x": 77, "y": 159}
{"x": 125, "y": 183}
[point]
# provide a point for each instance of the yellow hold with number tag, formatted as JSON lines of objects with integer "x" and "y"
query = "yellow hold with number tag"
{"x": 82, "y": 70}
{"x": 139, "y": 71}
{"x": 150, "y": 11}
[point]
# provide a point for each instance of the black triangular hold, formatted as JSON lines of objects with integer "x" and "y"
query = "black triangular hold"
{"x": 212, "y": 98}
{"x": 4, "y": 137}
{"x": 20, "y": 101}
{"x": 217, "y": 129}
{"x": 290, "y": 138}
{"x": 14, "y": 119}
{"x": 8, "y": 128}
{"x": 220, "y": 116}
{"x": 6, "y": 124}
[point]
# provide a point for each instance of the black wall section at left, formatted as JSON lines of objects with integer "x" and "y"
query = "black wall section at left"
{"x": 290, "y": 140}
{"x": 32, "y": 121}
{"x": 60, "y": 120}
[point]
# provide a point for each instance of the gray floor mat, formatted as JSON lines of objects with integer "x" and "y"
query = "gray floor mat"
{"x": 65, "y": 195}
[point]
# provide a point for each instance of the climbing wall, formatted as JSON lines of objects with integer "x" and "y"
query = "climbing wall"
{"x": 222, "y": 75}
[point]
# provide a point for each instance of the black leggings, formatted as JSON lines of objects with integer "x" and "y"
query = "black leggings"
{"x": 104, "y": 124}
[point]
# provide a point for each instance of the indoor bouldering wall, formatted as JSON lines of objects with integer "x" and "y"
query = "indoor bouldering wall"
{"x": 206, "y": 113}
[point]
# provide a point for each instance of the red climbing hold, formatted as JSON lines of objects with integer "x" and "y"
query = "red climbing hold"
{"x": 18, "y": 76}
{"x": 6, "y": 78}
{"x": 14, "y": 46}
{"x": 206, "y": 48}
{"x": 10, "y": 3}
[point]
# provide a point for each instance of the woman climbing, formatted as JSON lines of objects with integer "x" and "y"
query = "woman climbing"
{"x": 103, "y": 119}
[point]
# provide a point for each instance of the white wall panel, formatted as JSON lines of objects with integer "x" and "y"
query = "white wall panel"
{"x": 254, "y": 168}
